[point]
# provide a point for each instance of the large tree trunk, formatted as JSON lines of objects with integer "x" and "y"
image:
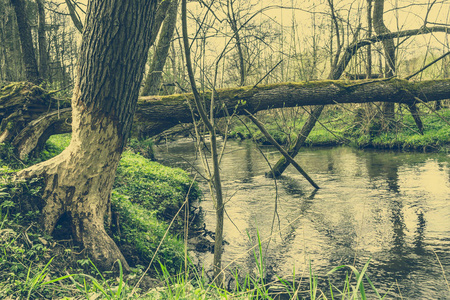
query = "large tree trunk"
{"x": 79, "y": 181}
{"x": 161, "y": 113}
{"x": 20, "y": 104}
{"x": 26, "y": 41}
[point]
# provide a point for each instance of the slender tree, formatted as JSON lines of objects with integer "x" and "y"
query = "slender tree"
{"x": 389, "y": 53}
{"x": 42, "y": 41}
{"x": 369, "y": 35}
{"x": 153, "y": 79}
{"x": 282, "y": 163}
{"x": 210, "y": 125}
{"x": 74, "y": 16}
{"x": 26, "y": 41}
{"x": 232, "y": 20}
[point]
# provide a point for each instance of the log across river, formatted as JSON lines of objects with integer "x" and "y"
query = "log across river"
{"x": 391, "y": 207}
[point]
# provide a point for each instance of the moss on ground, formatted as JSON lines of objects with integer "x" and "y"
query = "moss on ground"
{"x": 138, "y": 232}
{"x": 145, "y": 198}
{"x": 155, "y": 187}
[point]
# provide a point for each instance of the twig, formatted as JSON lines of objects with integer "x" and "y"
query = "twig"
{"x": 267, "y": 74}
{"x": 325, "y": 127}
{"x": 61, "y": 89}
{"x": 442, "y": 268}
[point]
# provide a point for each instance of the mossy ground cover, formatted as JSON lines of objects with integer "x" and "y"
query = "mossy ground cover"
{"x": 338, "y": 125}
{"x": 145, "y": 198}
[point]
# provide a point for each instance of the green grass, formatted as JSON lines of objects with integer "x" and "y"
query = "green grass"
{"x": 153, "y": 186}
{"x": 138, "y": 232}
{"x": 55, "y": 145}
{"x": 28, "y": 277}
{"x": 436, "y": 134}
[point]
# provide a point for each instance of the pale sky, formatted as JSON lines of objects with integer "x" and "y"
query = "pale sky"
{"x": 409, "y": 15}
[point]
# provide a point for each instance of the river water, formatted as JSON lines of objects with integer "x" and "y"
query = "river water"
{"x": 390, "y": 207}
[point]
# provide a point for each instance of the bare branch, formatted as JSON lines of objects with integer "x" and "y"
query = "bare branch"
{"x": 74, "y": 16}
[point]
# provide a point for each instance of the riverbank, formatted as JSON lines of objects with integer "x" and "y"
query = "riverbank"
{"x": 358, "y": 128}
{"x": 145, "y": 199}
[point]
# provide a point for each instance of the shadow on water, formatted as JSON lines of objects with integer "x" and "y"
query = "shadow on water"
{"x": 391, "y": 207}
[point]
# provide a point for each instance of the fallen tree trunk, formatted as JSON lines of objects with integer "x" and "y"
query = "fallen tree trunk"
{"x": 161, "y": 113}
{"x": 156, "y": 114}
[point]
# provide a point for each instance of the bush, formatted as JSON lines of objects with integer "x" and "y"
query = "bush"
{"x": 20, "y": 200}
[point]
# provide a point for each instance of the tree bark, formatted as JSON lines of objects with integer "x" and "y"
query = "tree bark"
{"x": 26, "y": 41}
{"x": 79, "y": 181}
{"x": 153, "y": 79}
{"x": 20, "y": 104}
{"x": 416, "y": 116}
{"x": 279, "y": 148}
{"x": 388, "y": 44}
{"x": 282, "y": 163}
{"x": 161, "y": 113}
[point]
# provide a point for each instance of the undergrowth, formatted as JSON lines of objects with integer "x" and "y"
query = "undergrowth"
{"x": 30, "y": 272}
{"x": 144, "y": 199}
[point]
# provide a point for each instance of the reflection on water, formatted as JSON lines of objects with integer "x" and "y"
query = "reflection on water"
{"x": 391, "y": 207}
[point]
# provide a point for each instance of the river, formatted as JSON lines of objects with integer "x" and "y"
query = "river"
{"x": 390, "y": 207}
